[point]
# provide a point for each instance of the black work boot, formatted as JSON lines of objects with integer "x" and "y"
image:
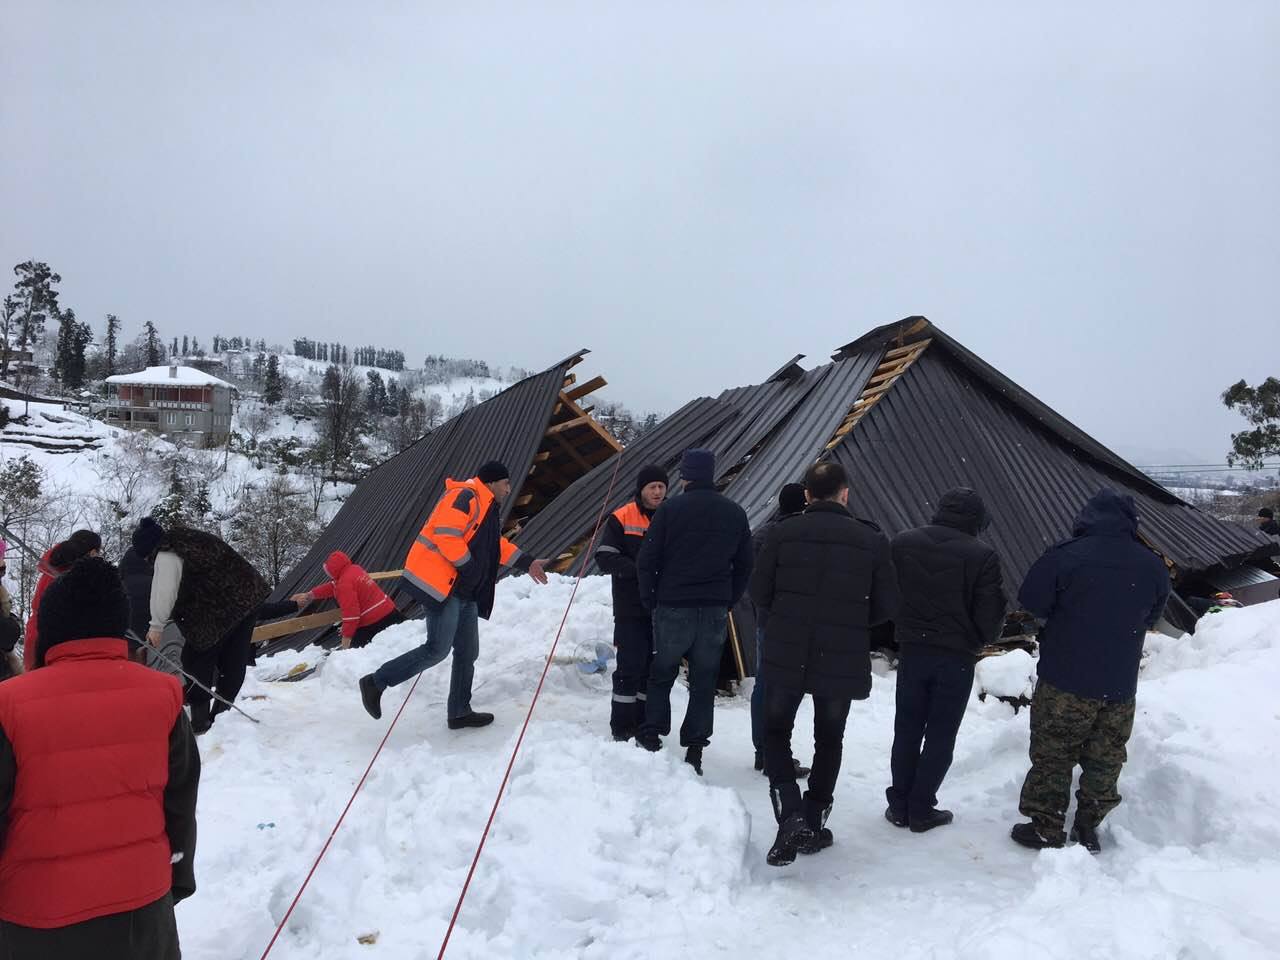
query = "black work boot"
{"x": 693, "y": 757}
{"x": 1087, "y": 837}
{"x": 895, "y": 816}
{"x": 371, "y": 696}
{"x": 794, "y": 833}
{"x": 1029, "y": 836}
{"x": 650, "y": 741}
{"x": 927, "y": 821}
{"x": 817, "y": 820}
{"x": 471, "y": 719}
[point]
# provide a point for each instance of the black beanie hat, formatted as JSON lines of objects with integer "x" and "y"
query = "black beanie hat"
{"x": 74, "y": 547}
{"x": 147, "y": 536}
{"x": 698, "y": 466}
{"x": 492, "y": 472}
{"x": 87, "y": 601}
{"x": 791, "y": 499}
{"x": 651, "y": 474}
{"x": 1266, "y": 513}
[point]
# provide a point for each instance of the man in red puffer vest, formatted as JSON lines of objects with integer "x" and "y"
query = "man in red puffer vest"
{"x": 98, "y": 779}
{"x": 366, "y": 610}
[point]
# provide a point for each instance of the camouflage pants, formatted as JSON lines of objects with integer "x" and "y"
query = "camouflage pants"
{"x": 1067, "y": 730}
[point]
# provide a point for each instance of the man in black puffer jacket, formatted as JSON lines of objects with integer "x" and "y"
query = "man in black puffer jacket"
{"x": 953, "y": 604}
{"x": 822, "y": 581}
{"x": 692, "y": 568}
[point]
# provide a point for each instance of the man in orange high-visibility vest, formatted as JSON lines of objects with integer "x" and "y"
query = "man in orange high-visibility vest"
{"x": 451, "y": 570}
{"x": 632, "y": 624}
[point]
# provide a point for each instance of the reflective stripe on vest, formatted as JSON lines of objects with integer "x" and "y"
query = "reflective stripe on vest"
{"x": 633, "y": 520}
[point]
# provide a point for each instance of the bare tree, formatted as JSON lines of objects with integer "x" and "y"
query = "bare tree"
{"x": 273, "y": 529}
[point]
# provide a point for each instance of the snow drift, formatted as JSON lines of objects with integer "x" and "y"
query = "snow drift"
{"x": 604, "y": 851}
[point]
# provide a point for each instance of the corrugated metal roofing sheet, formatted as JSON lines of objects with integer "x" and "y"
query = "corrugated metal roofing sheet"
{"x": 940, "y": 427}
{"x": 572, "y": 515}
{"x": 386, "y": 510}
{"x": 792, "y": 447}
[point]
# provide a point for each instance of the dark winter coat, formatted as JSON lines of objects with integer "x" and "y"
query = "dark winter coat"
{"x": 620, "y": 543}
{"x": 1271, "y": 528}
{"x": 136, "y": 573}
{"x": 949, "y": 581}
{"x": 98, "y": 780}
{"x": 697, "y": 552}
{"x": 1097, "y": 593}
{"x": 219, "y": 587}
{"x": 821, "y": 582}
{"x": 478, "y": 577}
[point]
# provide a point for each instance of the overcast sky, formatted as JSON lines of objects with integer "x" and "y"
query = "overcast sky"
{"x": 1087, "y": 198}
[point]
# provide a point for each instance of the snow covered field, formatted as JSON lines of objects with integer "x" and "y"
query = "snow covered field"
{"x": 603, "y": 851}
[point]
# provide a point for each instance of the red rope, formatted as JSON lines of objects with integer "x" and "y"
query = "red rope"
{"x": 529, "y": 716}
{"x": 334, "y": 831}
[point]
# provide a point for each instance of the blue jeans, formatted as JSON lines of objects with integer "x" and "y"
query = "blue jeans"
{"x": 757, "y": 696}
{"x": 452, "y": 625}
{"x": 933, "y": 692}
{"x": 697, "y": 634}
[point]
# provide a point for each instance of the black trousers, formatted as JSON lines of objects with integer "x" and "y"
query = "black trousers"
{"x": 830, "y": 714}
{"x": 148, "y": 933}
{"x": 222, "y": 667}
{"x": 633, "y": 640}
{"x": 363, "y": 635}
{"x": 933, "y": 691}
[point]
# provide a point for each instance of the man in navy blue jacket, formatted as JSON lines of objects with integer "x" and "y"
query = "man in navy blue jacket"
{"x": 692, "y": 568}
{"x": 1098, "y": 594}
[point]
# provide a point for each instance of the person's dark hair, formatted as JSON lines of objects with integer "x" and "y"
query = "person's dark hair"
{"x": 76, "y": 546}
{"x": 825, "y": 480}
{"x": 1266, "y": 513}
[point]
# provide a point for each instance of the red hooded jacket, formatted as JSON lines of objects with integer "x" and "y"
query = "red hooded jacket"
{"x": 87, "y": 806}
{"x": 361, "y": 601}
{"x": 48, "y": 573}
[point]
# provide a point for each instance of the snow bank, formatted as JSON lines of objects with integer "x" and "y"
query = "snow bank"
{"x": 603, "y": 851}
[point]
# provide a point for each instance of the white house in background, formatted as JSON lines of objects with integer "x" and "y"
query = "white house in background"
{"x": 181, "y": 403}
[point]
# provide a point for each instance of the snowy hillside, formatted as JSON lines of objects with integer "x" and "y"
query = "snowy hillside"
{"x": 603, "y": 851}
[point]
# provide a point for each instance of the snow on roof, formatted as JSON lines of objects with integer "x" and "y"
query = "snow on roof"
{"x": 171, "y": 376}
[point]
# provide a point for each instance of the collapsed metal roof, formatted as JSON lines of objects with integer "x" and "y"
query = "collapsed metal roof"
{"x": 910, "y": 413}
{"x": 950, "y": 419}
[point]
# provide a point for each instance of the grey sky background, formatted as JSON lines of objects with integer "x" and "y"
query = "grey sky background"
{"x": 1084, "y": 194}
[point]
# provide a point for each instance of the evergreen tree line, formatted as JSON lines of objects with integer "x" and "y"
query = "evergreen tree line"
{"x": 338, "y": 354}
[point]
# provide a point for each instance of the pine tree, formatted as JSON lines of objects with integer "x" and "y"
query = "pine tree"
{"x": 186, "y": 345}
{"x": 154, "y": 345}
{"x": 195, "y": 347}
{"x": 273, "y": 392}
{"x": 173, "y": 350}
{"x": 35, "y": 301}
{"x": 111, "y": 344}
{"x": 259, "y": 367}
{"x": 376, "y": 393}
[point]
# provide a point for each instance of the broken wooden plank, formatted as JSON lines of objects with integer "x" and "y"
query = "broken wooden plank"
{"x": 917, "y": 348}
{"x": 591, "y": 386}
{"x": 559, "y": 428}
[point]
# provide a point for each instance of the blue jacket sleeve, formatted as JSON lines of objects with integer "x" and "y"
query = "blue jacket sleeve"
{"x": 1163, "y": 588}
{"x": 649, "y": 560}
{"x": 1039, "y": 589}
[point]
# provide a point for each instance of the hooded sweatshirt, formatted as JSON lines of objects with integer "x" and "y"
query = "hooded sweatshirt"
{"x": 950, "y": 583}
{"x": 361, "y": 601}
{"x": 1098, "y": 595}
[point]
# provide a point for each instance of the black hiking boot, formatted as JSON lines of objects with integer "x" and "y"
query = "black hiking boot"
{"x": 693, "y": 757}
{"x": 821, "y": 840}
{"x": 471, "y": 719}
{"x": 897, "y": 817}
{"x": 1029, "y": 836}
{"x": 650, "y": 741}
{"x": 794, "y": 833}
{"x": 371, "y": 696}
{"x": 1087, "y": 837}
{"x": 934, "y": 818}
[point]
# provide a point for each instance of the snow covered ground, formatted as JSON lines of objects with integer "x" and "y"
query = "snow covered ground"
{"x": 601, "y": 850}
